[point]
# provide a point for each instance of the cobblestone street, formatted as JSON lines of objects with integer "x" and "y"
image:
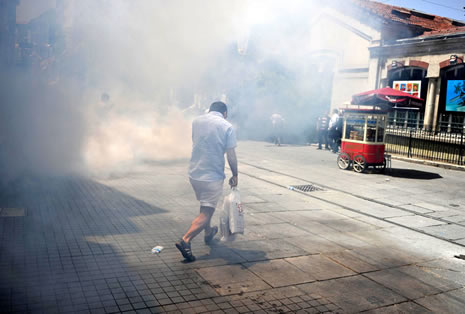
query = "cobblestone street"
{"x": 364, "y": 242}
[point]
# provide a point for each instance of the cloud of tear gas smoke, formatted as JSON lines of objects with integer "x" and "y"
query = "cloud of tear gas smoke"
{"x": 40, "y": 126}
{"x": 141, "y": 70}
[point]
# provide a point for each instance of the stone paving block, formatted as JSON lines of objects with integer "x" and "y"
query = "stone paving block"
{"x": 378, "y": 223}
{"x": 401, "y": 234}
{"x": 354, "y": 294}
{"x": 277, "y": 231}
{"x": 302, "y": 222}
{"x": 462, "y": 241}
{"x": 232, "y": 279}
{"x": 397, "y": 201}
{"x": 364, "y": 206}
{"x": 447, "y": 302}
{"x": 217, "y": 256}
{"x": 351, "y": 261}
{"x": 320, "y": 267}
{"x": 432, "y": 206}
{"x": 249, "y": 199}
{"x": 376, "y": 237}
{"x": 445, "y": 213}
{"x": 417, "y": 209}
{"x": 459, "y": 219}
{"x": 450, "y": 231}
{"x": 252, "y": 219}
{"x": 278, "y": 273}
{"x": 348, "y": 225}
{"x": 345, "y": 240}
{"x": 269, "y": 249}
{"x": 321, "y": 215}
{"x": 416, "y": 221}
{"x": 451, "y": 269}
{"x": 345, "y": 212}
{"x": 314, "y": 244}
{"x": 267, "y": 207}
{"x": 405, "y": 307}
{"x": 385, "y": 257}
{"x": 408, "y": 282}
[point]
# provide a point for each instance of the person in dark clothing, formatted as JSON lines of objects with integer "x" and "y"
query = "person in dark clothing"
{"x": 335, "y": 130}
{"x": 322, "y": 129}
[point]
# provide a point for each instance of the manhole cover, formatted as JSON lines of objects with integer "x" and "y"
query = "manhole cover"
{"x": 12, "y": 212}
{"x": 305, "y": 188}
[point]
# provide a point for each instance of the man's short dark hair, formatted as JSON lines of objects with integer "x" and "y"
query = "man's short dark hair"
{"x": 219, "y": 106}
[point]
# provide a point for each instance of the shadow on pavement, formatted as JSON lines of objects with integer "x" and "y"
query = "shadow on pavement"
{"x": 412, "y": 174}
{"x": 70, "y": 246}
{"x": 230, "y": 252}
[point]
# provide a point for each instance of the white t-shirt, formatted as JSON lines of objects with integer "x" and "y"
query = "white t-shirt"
{"x": 333, "y": 120}
{"x": 212, "y": 136}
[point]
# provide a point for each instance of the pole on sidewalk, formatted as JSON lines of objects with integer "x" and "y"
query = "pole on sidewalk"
{"x": 461, "y": 148}
{"x": 409, "y": 153}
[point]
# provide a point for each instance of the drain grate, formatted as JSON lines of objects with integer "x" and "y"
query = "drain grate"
{"x": 305, "y": 188}
{"x": 12, "y": 212}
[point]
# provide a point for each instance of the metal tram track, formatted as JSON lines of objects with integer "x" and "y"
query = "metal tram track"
{"x": 353, "y": 195}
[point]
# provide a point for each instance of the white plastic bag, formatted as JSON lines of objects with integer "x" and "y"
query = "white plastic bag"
{"x": 224, "y": 222}
{"x": 236, "y": 212}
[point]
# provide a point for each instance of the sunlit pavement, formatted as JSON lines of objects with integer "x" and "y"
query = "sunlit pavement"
{"x": 360, "y": 242}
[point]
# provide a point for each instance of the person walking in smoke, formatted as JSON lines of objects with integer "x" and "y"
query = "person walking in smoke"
{"x": 277, "y": 123}
{"x": 212, "y": 137}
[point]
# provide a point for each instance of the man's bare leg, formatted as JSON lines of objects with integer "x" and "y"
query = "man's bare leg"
{"x": 201, "y": 222}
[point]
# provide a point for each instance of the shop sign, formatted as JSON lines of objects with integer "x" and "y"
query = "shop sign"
{"x": 410, "y": 87}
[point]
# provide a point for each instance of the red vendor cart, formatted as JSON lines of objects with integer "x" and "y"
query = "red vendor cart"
{"x": 362, "y": 142}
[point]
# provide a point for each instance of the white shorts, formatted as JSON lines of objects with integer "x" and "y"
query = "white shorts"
{"x": 207, "y": 193}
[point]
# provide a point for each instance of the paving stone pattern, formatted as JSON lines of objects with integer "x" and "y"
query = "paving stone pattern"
{"x": 83, "y": 246}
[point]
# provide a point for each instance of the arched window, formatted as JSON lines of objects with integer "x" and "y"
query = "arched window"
{"x": 452, "y": 98}
{"x": 412, "y": 80}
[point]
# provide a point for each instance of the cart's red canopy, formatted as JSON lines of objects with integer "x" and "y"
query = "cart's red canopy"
{"x": 387, "y": 96}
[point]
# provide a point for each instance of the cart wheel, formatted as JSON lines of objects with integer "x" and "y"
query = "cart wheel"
{"x": 343, "y": 161}
{"x": 359, "y": 164}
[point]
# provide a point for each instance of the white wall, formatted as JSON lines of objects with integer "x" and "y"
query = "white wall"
{"x": 347, "y": 40}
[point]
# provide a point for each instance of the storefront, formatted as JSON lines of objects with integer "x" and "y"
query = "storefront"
{"x": 452, "y": 97}
{"x": 432, "y": 67}
{"x": 411, "y": 80}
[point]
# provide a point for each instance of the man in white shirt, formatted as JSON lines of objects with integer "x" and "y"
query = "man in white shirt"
{"x": 212, "y": 137}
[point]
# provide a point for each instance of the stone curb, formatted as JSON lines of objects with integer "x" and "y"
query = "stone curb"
{"x": 429, "y": 163}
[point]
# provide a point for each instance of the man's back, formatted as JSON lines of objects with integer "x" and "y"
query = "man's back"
{"x": 212, "y": 135}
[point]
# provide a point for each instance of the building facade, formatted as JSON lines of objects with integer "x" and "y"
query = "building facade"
{"x": 366, "y": 45}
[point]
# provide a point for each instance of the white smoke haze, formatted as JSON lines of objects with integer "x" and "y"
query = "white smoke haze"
{"x": 118, "y": 141}
{"x": 161, "y": 63}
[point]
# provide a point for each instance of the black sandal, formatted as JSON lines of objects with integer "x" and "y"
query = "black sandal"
{"x": 209, "y": 237}
{"x": 185, "y": 249}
